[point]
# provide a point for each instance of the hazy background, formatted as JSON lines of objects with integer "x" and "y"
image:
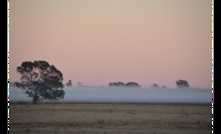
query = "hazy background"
{"x": 102, "y": 41}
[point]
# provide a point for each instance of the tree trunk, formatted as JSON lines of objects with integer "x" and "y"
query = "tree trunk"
{"x": 35, "y": 99}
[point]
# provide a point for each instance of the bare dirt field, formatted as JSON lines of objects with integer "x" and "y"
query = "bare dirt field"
{"x": 85, "y": 118}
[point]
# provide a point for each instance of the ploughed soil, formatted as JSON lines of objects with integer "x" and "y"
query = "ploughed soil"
{"x": 109, "y": 118}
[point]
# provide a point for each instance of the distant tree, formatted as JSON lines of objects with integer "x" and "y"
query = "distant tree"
{"x": 116, "y": 84}
{"x": 80, "y": 84}
{"x": 120, "y": 84}
{"x": 40, "y": 80}
{"x": 110, "y": 84}
{"x": 164, "y": 86}
{"x": 69, "y": 83}
{"x": 182, "y": 84}
{"x": 154, "y": 86}
{"x": 132, "y": 84}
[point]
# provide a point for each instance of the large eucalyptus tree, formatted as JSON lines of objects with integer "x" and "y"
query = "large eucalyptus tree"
{"x": 40, "y": 80}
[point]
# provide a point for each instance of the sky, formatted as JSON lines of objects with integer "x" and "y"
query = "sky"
{"x": 101, "y": 41}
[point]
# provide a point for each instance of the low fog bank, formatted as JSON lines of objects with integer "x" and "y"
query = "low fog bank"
{"x": 122, "y": 94}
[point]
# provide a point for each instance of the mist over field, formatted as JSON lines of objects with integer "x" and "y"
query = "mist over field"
{"x": 122, "y": 94}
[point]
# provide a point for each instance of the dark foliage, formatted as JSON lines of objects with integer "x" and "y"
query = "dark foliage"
{"x": 69, "y": 83}
{"x": 121, "y": 84}
{"x": 40, "y": 80}
{"x": 182, "y": 84}
{"x": 116, "y": 84}
{"x": 132, "y": 84}
{"x": 154, "y": 86}
{"x": 164, "y": 87}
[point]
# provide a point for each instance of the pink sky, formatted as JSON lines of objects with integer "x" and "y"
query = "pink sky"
{"x": 102, "y": 41}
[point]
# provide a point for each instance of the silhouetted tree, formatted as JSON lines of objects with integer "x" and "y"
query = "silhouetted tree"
{"x": 132, "y": 84}
{"x": 120, "y": 84}
{"x": 80, "y": 84}
{"x": 116, "y": 84}
{"x": 164, "y": 86}
{"x": 182, "y": 84}
{"x": 154, "y": 86}
{"x": 40, "y": 80}
{"x": 69, "y": 83}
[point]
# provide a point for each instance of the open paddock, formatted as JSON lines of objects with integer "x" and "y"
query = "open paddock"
{"x": 109, "y": 118}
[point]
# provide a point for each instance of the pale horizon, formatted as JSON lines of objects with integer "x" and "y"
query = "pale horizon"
{"x": 101, "y": 41}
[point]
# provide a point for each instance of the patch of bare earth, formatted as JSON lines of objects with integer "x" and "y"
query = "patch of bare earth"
{"x": 110, "y": 119}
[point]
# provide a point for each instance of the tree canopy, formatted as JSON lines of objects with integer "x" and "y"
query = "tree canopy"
{"x": 121, "y": 84}
{"x": 182, "y": 84}
{"x": 132, "y": 84}
{"x": 116, "y": 84}
{"x": 154, "y": 86}
{"x": 40, "y": 80}
{"x": 69, "y": 83}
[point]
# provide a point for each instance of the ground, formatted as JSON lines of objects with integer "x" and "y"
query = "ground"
{"x": 94, "y": 118}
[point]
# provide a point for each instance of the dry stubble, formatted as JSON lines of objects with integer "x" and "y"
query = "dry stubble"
{"x": 110, "y": 119}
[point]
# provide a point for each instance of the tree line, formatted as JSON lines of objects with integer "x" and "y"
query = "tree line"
{"x": 43, "y": 81}
{"x": 129, "y": 84}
